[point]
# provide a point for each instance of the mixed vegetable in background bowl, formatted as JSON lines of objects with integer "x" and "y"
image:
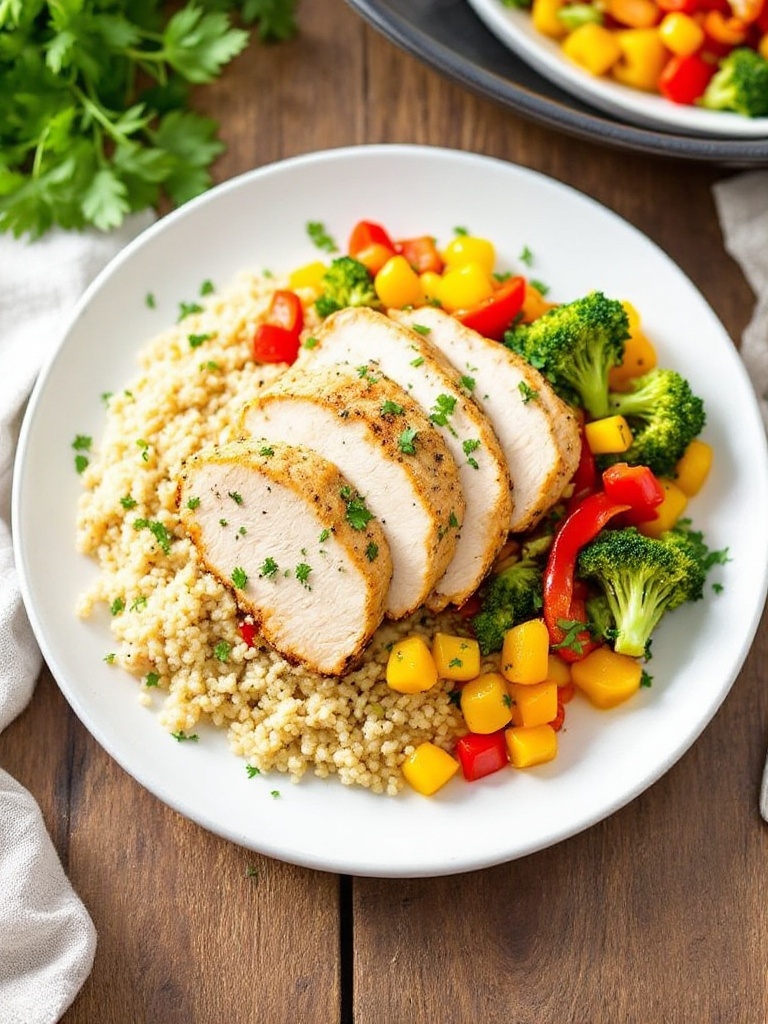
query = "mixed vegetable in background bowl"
{"x": 707, "y": 53}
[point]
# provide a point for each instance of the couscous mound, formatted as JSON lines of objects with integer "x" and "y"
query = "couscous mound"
{"x": 175, "y": 627}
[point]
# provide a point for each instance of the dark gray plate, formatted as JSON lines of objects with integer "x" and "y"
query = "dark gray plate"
{"x": 448, "y": 36}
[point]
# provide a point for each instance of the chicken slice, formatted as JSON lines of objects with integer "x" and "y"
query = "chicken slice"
{"x": 381, "y": 440}
{"x": 272, "y": 521}
{"x": 364, "y": 336}
{"x": 538, "y": 431}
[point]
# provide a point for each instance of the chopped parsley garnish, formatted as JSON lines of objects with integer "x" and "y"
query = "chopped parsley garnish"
{"x": 460, "y": 231}
{"x": 302, "y": 574}
{"x": 406, "y": 442}
{"x": 182, "y": 736}
{"x": 442, "y": 410}
{"x": 417, "y": 361}
{"x": 149, "y": 300}
{"x": 110, "y": 658}
{"x": 267, "y": 451}
{"x": 117, "y": 606}
{"x": 455, "y": 663}
{"x": 372, "y": 552}
{"x": 158, "y": 530}
{"x": 467, "y": 382}
{"x": 540, "y": 286}
{"x": 421, "y": 329}
{"x": 453, "y": 521}
{"x": 153, "y": 679}
{"x": 239, "y": 577}
{"x": 252, "y": 771}
{"x": 573, "y": 629}
{"x": 82, "y": 443}
{"x": 193, "y": 503}
{"x": 206, "y": 288}
{"x": 138, "y": 603}
{"x": 187, "y": 309}
{"x": 646, "y": 679}
{"x": 144, "y": 445}
{"x": 528, "y": 393}
{"x": 469, "y": 446}
{"x": 324, "y": 535}
{"x": 268, "y": 567}
{"x": 236, "y": 497}
{"x": 274, "y": 793}
{"x": 357, "y": 514}
{"x": 128, "y": 502}
{"x": 196, "y": 340}
{"x": 222, "y": 651}
{"x": 311, "y": 343}
{"x": 526, "y": 256}
{"x": 320, "y": 237}
{"x": 390, "y": 408}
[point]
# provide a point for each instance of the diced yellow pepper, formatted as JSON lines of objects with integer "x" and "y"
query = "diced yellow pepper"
{"x": 537, "y": 703}
{"x": 643, "y": 58}
{"x": 639, "y": 358}
{"x": 411, "y": 667}
{"x": 428, "y": 768}
{"x": 309, "y": 276}
{"x": 531, "y": 745}
{"x": 534, "y": 304}
{"x": 456, "y": 657}
{"x": 593, "y": 47}
{"x": 558, "y": 671}
{"x": 634, "y": 13}
{"x": 463, "y": 287}
{"x": 762, "y": 46}
{"x": 681, "y": 34}
{"x": 525, "y": 653}
{"x": 374, "y": 256}
{"x": 485, "y": 703}
{"x": 397, "y": 284}
{"x": 693, "y": 467}
{"x": 609, "y": 435}
{"x": 669, "y": 511}
{"x": 469, "y": 249}
{"x": 607, "y": 678}
{"x": 544, "y": 17}
{"x": 430, "y": 283}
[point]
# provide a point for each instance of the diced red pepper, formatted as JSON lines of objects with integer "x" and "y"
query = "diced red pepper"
{"x": 678, "y": 6}
{"x": 563, "y": 609}
{"x": 637, "y": 486}
{"x": 471, "y": 606}
{"x": 585, "y": 479}
{"x": 286, "y": 311}
{"x": 684, "y": 79}
{"x": 481, "y": 755}
{"x": 559, "y": 719}
{"x": 494, "y": 315}
{"x": 273, "y": 344}
{"x": 367, "y": 233}
{"x": 247, "y": 631}
{"x": 422, "y": 254}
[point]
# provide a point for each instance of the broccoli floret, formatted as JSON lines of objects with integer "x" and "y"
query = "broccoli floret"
{"x": 347, "y": 282}
{"x": 575, "y": 345}
{"x": 644, "y": 577}
{"x": 740, "y": 84}
{"x": 507, "y": 598}
{"x": 664, "y": 416}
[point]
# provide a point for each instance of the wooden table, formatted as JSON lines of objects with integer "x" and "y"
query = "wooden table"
{"x": 659, "y": 914}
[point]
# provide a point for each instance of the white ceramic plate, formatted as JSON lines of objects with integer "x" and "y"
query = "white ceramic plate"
{"x": 514, "y": 28}
{"x": 259, "y": 220}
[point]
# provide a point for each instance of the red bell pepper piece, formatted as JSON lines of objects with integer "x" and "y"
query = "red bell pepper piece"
{"x": 684, "y": 79}
{"x": 494, "y": 315}
{"x": 273, "y": 344}
{"x": 247, "y": 631}
{"x": 585, "y": 479}
{"x": 367, "y": 233}
{"x": 481, "y": 755}
{"x": 563, "y": 608}
{"x": 637, "y": 486}
{"x": 421, "y": 253}
{"x": 285, "y": 310}
{"x": 678, "y": 6}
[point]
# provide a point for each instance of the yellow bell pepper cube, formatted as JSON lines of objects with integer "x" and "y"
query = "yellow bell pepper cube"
{"x": 525, "y": 653}
{"x": 486, "y": 704}
{"x": 397, "y": 284}
{"x": 693, "y": 467}
{"x": 544, "y": 17}
{"x": 607, "y": 678}
{"x": 464, "y": 286}
{"x": 536, "y": 704}
{"x": 309, "y": 276}
{"x": 643, "y": 56}
{"x": 534, "y": 304}
{"x": 593, "y": 47}
{"x": 430, "y": 283}
{"x": 681, "y": 34}
{"x": 669, "y": 511}
{"x": 558, "y": 671}
{"x": 633, "y": 13}
{"x": 456, "y": 657}
{"x": 470, "y": 249}
{"x": 639, "y": 358}
{"x": 411, "y": 667}
{"x": 609, "y": 435}
{"x": 428, "y": 768}
{"x": 762, "y": 46}
{"x": 531, "y": 745}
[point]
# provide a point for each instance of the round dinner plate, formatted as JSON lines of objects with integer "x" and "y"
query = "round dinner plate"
{"x": 514, "y": 27}
{"x": 259, "y": 221}
{"x": 449, "y": 36}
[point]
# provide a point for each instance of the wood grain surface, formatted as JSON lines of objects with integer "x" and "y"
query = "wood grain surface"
{"x": 655, "y": 916}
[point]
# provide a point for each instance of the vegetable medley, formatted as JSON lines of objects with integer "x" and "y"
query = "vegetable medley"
{"x": 710, "y": 53}
{"x": 571, "y": 607}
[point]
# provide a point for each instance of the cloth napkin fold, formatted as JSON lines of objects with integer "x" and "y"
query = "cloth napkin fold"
{"x": 47, "y": 938}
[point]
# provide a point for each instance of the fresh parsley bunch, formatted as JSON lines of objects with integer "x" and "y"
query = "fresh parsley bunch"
{"x": 95, "y": 119}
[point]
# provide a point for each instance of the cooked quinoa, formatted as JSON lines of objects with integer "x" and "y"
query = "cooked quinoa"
{"x": 175, "y": 627}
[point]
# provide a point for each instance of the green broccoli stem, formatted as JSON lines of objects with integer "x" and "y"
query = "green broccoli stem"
{"x": 637, "y": 610}
{"x": 589, "y": 379}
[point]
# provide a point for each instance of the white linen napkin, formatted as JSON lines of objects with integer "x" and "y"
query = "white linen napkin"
{"x": 47, "y": 938}
{"x": 742, "y": 205}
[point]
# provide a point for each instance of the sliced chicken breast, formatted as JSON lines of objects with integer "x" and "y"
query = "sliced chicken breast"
{"x": 538, "y": 432}
{"x": 272, "y": 522}
{"x": 384, "y": 444}
{"x": 365, "y": 337}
